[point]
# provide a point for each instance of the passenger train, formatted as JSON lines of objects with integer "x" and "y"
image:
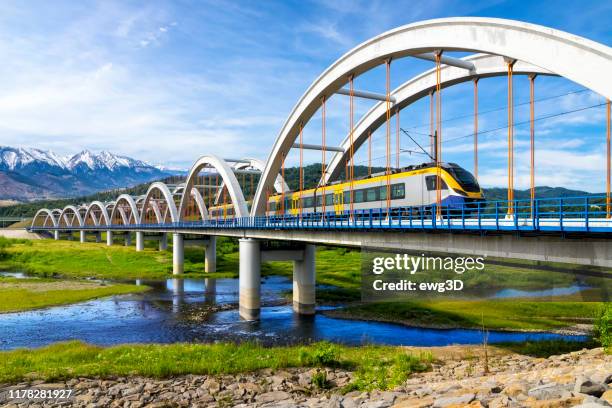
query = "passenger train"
{"x": 412, "y": 186}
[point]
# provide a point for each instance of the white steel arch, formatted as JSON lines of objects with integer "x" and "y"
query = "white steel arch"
{"x": 103, "y": 213}
{"x": 197, "y": 196}
{"x": 168, "y": 197}
{"x": 70, "y": 221}
{"x": 575, "y": 58}
{"x": 134, "y": 214}
{"x": 280, "y": 185}
{"x": 228, "y": 177}
{"x": 48, "y": 216}
{"x": 416, "y": 88}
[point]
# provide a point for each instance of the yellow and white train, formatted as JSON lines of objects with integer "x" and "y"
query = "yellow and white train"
{"x": 413, "y": 186}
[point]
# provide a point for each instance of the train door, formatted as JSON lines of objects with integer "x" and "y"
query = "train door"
{"x": 338, "y": 201}
{"x": 295, "y": 205}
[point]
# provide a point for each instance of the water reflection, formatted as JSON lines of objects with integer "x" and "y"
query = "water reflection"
{"x": 203, "y": 310}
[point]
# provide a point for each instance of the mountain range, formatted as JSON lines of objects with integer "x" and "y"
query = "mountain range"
{"x": 32, "y": 174}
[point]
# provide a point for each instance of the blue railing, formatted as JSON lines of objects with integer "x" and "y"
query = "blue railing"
{"x": 567, "y": 214}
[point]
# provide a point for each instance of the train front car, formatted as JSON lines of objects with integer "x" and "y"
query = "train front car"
{"x": 461, "y": 192}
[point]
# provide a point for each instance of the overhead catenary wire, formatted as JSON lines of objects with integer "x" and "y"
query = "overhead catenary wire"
{"x": 516, "y": 124}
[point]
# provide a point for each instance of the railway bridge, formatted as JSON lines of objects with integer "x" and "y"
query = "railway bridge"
{"x": 250, "y": 199}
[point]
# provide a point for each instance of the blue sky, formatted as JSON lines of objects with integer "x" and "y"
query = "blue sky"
{"x": 169, "y": 81}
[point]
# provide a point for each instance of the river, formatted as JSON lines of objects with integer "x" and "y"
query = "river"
{"x": 202, "y": 310}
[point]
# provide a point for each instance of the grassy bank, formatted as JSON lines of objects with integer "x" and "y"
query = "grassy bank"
{"x": 375, "y": 366}
{"x": 495, "y": 314}
{"x": 25, "y": 294}
{"x": 96, "y": 260}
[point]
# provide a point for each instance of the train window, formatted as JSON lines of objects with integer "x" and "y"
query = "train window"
{"x": 347, "y": 197}
{"x": 371, "y": 194}
{"x": 430, "y": 181}
{"x": 319, "y": 201}
{"x": 465, "y": 178}
{"x": 308, "y": 202}
{"x": 329, "y": 199}
{"x": 398, "y": 191}
{"x": 359, "y": 196}
{"x": 382, "y": 193}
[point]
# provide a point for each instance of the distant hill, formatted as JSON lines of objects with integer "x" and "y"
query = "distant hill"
{"x": 28, "y": 174}
{"x": 496, "y": 193}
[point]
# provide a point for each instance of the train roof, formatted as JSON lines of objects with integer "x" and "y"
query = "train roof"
{"x": 402, "y": 170}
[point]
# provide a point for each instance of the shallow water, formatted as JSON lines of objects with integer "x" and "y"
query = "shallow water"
{"x": 180, "y": 310}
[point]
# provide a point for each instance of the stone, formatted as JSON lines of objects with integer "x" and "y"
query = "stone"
{"x": 414, "y": 402}
{"x": 550, "y": 391}
{"x": 446, "y": 401}
{"x": 348, "y": 402}
{"x": 273, "y": 396}
{"x": 132, "y": 390}
{"x": 499, "y": 402}
{"x": 514, "y": 389}
{"x": 212, "y": 385}
{"x": 587, "y": 386}
{"x": 607, "y": 396}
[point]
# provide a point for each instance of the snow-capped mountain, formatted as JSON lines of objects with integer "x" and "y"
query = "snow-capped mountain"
{"x": 29, "y": 173}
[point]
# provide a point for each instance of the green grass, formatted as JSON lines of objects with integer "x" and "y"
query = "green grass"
{"x": 379, "y": 367}
{"x": 547, "y": 348}
{"x": 26, "y": 294}
{"x": 496, "y": 314}
{"x": 96, "y": 260}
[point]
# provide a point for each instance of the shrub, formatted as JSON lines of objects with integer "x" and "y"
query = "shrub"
{"x": 319, "y": 380}
{"x": 603, "y": 327}
{"x": 323, "y": 354}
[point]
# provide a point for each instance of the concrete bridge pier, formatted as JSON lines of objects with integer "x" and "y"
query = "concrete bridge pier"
{"x": 109, "y": 237}
{"x": 56, "y": 235}
{"x": 210, "y": 255}
{"x": 304, "y": 281}
{"x": 178, "y": 254}
{"x": 139, "y": 241}
{"x": 163, "y": 242}
{"x": 128, "y": 239}
{"x": 82, "y": 236}
{"x": 250, "y": 278}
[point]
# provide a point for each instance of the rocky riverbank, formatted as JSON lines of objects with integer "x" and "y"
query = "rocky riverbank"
{"x": 582, "y": 378}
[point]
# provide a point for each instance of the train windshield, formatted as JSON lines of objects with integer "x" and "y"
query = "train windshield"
{"x": 465, "y": 179}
